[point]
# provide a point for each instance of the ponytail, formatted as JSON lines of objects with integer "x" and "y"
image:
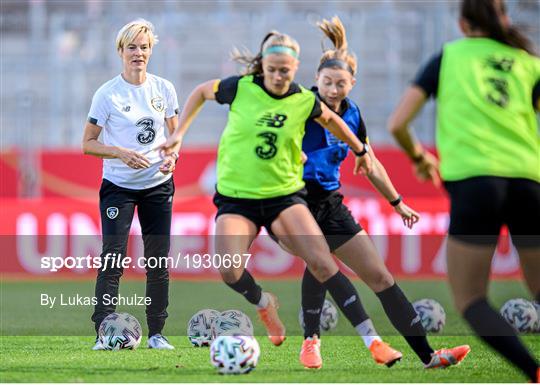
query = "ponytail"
{"x": 339, "y": 57}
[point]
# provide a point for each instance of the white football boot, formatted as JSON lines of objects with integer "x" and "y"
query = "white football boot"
{"x": 157, "y": 341}
{"x": 98, "y": 345}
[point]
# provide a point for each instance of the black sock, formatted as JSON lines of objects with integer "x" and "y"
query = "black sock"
{"x": 313, "y": 293}
{"x": 247, "y": 286}
{"x": 402, "y": 315}
{"x": 347, "y": 298}
{"x": 491, "y": 327}
{"x": 537, "y": 298}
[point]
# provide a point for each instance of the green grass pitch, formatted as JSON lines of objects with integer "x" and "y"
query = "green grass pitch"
{"x": 54, "y": 345}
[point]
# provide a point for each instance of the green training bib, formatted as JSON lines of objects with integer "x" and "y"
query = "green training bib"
{"x": 486, "y": 123}
{"x": 259, "y": 153}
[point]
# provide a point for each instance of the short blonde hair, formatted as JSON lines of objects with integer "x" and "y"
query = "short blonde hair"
{"x": 131, "y": 30}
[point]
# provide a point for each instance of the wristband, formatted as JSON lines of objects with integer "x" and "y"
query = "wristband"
{"x": 396, "y": 202}
{"x": 364, "y": 151}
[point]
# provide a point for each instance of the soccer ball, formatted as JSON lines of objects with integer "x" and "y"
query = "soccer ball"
{"x": 521, "y": 314}
{"x": 120, "y": 331}
{"x": 199, "y": 326}
{"x": 234, "y": 354}
{"x": 431, "y": 314}
{"x": 329, "y": 316}
{"x": 231, "y": 323}
{"x": 537, "y": 307}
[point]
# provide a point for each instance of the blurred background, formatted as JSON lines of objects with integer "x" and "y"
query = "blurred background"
{"x": 55, "y": 54}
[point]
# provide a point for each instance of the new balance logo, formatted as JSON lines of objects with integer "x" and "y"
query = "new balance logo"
{"x": 415, "y": 320}
{"x": 349, "y": 301}
{"x": 313, "y": 311}
{"x": 500, "y": 64}
{"x": 272, "y": 120}
{"x": 126, "y": 108}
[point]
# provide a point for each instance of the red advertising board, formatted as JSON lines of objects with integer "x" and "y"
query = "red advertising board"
{"x": 71, "y": 174}
{"x": 68, "y": 228}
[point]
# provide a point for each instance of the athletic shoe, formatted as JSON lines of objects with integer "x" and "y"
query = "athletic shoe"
{"x": 310, "y": 355}
{"x": 157, "y": 341}
{"x": 98, "y": 345}
{"x": 269, "y": 317}
{"x": 383, "y": 354}
{"x": 447, "y": 357}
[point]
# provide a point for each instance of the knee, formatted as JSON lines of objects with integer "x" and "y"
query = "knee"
{"x": 323, "y": 270}
{"x": 230, "y": 275}
{"x": 382, "y": 280}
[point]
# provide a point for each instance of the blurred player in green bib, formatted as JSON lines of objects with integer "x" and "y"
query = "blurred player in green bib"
{"x": 487, "y": 87}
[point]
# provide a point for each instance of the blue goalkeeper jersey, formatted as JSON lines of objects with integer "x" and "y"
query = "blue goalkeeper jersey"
{"x": 325, "y": 152}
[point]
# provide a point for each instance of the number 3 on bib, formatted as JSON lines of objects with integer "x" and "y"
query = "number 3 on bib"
{"x": 268, "y": 149}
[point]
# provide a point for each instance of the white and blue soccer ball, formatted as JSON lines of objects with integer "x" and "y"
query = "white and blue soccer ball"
{"x": 231, "y": 323}
{"x": 521, "y": 314}
{"x": 234, "y": 354}
{"x": 329, "y": 316}
{"x": 537, "y": 307}
{"x": 199, "y": 329}
{"x": 120, "y": 331}
{"x": 431, "y": 313}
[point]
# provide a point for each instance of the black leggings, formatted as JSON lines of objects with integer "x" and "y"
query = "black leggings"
{"x": 154, "y": 208}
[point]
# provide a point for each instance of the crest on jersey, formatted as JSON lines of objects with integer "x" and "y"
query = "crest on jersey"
{"x": 158, "y": 104}
{"x": 112, "y": 212}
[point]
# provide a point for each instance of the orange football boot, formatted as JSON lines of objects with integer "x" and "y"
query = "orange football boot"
{"x": 269, "y": 317}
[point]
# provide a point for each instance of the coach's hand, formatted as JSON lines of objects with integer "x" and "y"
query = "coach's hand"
{"x": 408, "y": 215}
{"x": 132, "y": 158}
{"x": 172, "y": 145}
{"x": 168, "y": 165}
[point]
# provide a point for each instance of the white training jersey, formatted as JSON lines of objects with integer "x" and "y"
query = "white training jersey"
{"x": 133, "y": 117}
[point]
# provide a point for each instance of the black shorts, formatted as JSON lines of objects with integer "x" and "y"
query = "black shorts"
{"x": 262, "y": 212}
{"x": 481, "y": 205}
{"x": 332, "y": 216}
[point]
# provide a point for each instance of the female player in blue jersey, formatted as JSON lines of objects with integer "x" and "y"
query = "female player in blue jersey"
{"x": 346, "y": 238}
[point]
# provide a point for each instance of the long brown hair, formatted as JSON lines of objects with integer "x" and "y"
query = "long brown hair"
{"x": 486, "y": 15}
{"x": 335, "y": 31}
{"x": 253, "y": 62}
